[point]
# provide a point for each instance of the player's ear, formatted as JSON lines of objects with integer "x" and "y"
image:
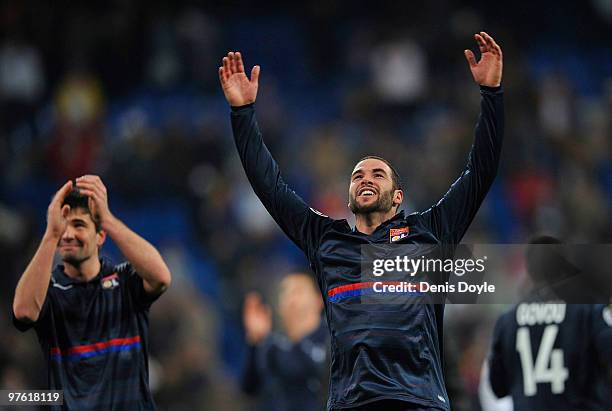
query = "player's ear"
{"x": 398, "y": 197}
{"x": 100, "y": 238}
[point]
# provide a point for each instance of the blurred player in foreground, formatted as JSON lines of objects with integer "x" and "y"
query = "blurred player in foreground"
{"x": 91, "y": 317}
{"x": 286, "y": 370}
{"x": 381, "y": 358}
{"x": 549, "y": 355}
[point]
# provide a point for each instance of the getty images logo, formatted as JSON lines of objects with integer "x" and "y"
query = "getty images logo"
{"x": 412, "y": 266}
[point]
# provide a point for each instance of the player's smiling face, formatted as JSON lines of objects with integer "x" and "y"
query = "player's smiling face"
{"x": 371, "y": 188}
{"x": 80, "y": 241}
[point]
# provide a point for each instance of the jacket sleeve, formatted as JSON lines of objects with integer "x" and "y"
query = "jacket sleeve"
{"x": 302, "y": 224}
{"x": 251, "y": 374}
{"x": 43, "y": 318}
{"x": 498, "y": 371}
{"x": 42, "y": 323}
{"x": 135, "y": 286}
{"x": 450, "y": 218}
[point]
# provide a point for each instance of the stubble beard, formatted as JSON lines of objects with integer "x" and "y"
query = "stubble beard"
{"x": 75, "y": 260}
{"x": 384, "y": 203}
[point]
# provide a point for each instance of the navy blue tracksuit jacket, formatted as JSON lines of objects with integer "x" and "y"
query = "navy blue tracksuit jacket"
{"x": 378, "y": 352}
{"x": 94, "y": 338}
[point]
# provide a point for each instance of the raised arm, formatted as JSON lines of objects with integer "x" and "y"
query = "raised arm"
{"x": 33, "y": 285}
{"x": 301, "y": 223}
{"x": 145, "y": 258}
{"x": 452, "y": 215}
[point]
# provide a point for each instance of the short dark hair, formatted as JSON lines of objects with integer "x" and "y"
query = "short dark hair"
{"x": 395, "y": 178}
{"x": 75, "y": 200}
{"x": 545, "y": 263}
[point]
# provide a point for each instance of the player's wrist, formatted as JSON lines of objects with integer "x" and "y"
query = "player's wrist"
{"x": 490, "y": 89}
{"x": 52, "y": 234}
{"x": 109, "y": 223}
{"x": 255, "y": 338}
{"x": 243, "y": 106}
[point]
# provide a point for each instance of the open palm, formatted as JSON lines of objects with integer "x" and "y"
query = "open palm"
{"x": 487, "y": 71}
{"x": 256, "y": 317}
{"x": 237, "y": 87}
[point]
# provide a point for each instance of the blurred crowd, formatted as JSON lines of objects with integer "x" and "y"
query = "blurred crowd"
{"x": 129, "y": 91}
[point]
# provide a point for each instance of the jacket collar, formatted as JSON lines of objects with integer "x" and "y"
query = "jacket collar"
{"x": 60, "y": 277}
{"x": 397, "y": 217}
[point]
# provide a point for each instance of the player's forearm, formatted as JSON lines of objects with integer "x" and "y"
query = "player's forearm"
{"x": 283, "y": 204}
{"x": 33, "y": 285}
{"x": 489, "y": 132}
{"x": 260, "y": 167}
{"x": 145, "y": 258}
{"x": 451, "y": 217}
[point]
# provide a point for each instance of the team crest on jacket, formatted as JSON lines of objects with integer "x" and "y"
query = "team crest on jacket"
{"x": 111, "y": 281}
{"x": 396, "y": 234}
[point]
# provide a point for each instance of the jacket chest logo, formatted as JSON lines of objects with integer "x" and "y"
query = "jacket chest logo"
{"x": 110, "y": 282}
{"x": 396, "y": 234}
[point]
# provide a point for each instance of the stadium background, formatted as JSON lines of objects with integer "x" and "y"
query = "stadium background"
{"x": 129, "y": 91}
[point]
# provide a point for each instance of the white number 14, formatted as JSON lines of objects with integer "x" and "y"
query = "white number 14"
{"x": 555, "y": 374}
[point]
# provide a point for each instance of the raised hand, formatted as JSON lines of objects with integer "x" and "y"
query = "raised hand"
{"x": 488, "y": 71}
{"x": 237, "y": 87}
{"x": 56, "y": 214}
{"x": 257, "y": 318}
{"x": 92, "y": 187}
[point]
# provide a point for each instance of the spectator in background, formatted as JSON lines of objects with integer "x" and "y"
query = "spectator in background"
{"x": 22, "y": 82}
{"x": 188, "y": 375}
{"x": 77, "y": 138}
{"x": 399, "y": 71}
{"x": 286, "y": 370}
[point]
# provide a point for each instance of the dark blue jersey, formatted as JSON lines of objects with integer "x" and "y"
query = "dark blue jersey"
{"x": 378, "y": 352}
{"x": 553, "y": 356}
{"x": 94, "y": 337}
{"x": 287, "y": 376}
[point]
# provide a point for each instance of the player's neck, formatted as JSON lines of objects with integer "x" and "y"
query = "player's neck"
{"x": 85, "y": 271}
{"x": 368, "y": 223}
